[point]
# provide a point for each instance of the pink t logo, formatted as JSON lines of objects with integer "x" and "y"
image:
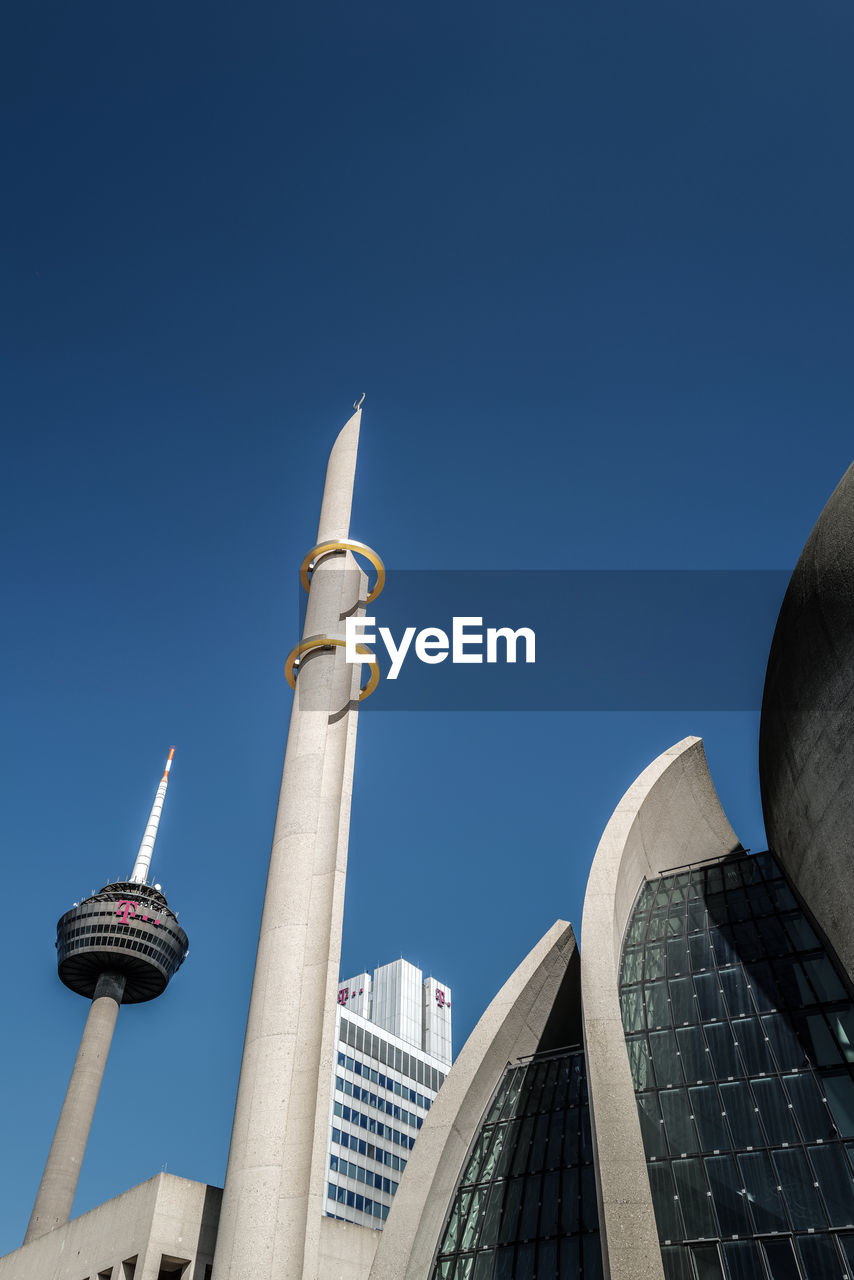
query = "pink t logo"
{"x": 440, "y": 997}
{"x": 343, "y": 995}
{"x": 129, "y": 910}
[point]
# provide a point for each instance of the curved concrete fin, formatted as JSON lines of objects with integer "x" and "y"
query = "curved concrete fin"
{"x": 340, "y": 477}
{"x": 669, "y": 816}
{"x": 512, "y": 1027}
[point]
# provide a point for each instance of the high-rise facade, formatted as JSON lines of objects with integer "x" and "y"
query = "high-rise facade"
{"x": 386, "y": 1075}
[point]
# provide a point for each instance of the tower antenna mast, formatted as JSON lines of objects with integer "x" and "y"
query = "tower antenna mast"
{"x": 139, "y": 875}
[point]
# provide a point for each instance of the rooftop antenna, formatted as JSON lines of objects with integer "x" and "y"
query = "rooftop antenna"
{"x": 139, "y": 875}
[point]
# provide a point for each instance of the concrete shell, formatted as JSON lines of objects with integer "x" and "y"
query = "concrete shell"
{"x": 669, "y": 816}
{"x": 806, "y": 741}
{"x": 528, "y": 1013}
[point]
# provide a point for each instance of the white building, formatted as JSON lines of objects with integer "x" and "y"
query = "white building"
{"x": 393, "y": 1050}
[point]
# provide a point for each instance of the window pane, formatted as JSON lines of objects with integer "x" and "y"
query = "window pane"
{"x": 709, "y": 1119}
{"x": 657, "y": 1008}
{"x": 751, "y": 1041}
{"x": 763, "y": 1198}
{"x": 651, "y": 1127}
{"x": 631, "y": 1004}
{"x": 723, "y": 1051}
{"x": 781, "y": 1260}
{"x": 730, "y": 1204}
{"x": 742, "y": 1115}
{"x": 839, "y": 1091}
{"x": 774, "y": 1111}
{"x": 694, "y": 1200}
{"x": 682, "y": 1000}
{"x": 678, "y": 1125}
{"x": 742, "y": 1260}
{"x": 810, "y": 1112}
{"x": 664, "y": 1202}
{"x": 799, "y": 1193}
{"x": 707, "y": 1262}
{"x": 677, "y": 1263}
{"x": 735, "y": 990}
{"x": 819, "y": 1257}
{"x": 834, "y": 1179}
{"x": 664, "y": 1057}
{"x": 824, "y": 979}
{"x": 696, "y": 1059}
{"x": 708, "y": 996}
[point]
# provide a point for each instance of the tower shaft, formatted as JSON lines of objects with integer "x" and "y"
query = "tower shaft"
{"x": 59, "y": 1180}
{"x": 273, "y": 1199}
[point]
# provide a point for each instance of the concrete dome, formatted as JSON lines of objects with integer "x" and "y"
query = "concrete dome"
{"x": 806, "y": 742}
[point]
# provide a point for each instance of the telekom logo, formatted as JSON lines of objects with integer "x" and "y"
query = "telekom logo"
{"x": 127, "y": 910}
{"x": 441, "y": 1000}
{"x": 343, "y": 995}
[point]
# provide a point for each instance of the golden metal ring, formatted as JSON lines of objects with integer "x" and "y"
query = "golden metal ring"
{"x": 324, "y": 548}
{"x": 327, "y": 642}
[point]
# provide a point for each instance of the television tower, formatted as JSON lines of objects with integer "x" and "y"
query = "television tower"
{"x": 120, "y": 946}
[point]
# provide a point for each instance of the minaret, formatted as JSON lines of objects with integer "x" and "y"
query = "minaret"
{"x": 272, "y": 1210}
{"x": 119, "y": 947}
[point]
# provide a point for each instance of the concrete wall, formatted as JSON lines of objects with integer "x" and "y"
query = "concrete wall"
{"x": 511, "y": 1027}
{"x": 669, "y": 816}
{"x": 346, "y": 1250}
{"x": 164, "y": 1217}
{"x": 806, "y": 741}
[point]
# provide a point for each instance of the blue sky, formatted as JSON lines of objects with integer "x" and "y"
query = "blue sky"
{"x": 592, "y": 266}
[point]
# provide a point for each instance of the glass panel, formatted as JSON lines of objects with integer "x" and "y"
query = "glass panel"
{"x": 654, "y": 964}
{"x": 742, "y": 1115}
{"x": 839, "y": 1091}
{"x": 763, "y": 1198}
{"x": 735, "y": 991}
{"x": 678, "y": 1124}
{"x": 640, "y": 1063}
{"x": 710, "y": 1122}
{"x": 819, "y": 1257}
{"x": 652, "y": 1128}
{"x": 632, "y": 962}
{"x": 592, "y": 1258}
{"x": 730, "y": 1203}
{"x": 700, "y": 950}
{"x": 810, "y": 1112}
{"x": 743, "y": 1261}
{"x": 694, "y": 1199}
{"x": 753, "y": 1045}
{"x": 657, "y": 1008}
{"x": 677, "y": 1263}
{"x": 706, "y": 1262}
{"x": 665, "y": 1058}
{"x": 723, "y": 1051}
{"x": 708, "y": 996}
{"x": 664, "y": 1202}
{"x": 834, "y": 1179}
{"x": 785, "y": 1044}
{"x": 781, "y": 1260}
{"x": 682, "y": 1000}
{"x": 824, "y": 979}
{"x": 799, "y": 1193}
{"x": 696, "y": 1059}
{"x": 774, "y": 1111}
{"x": 842, "y": 1022}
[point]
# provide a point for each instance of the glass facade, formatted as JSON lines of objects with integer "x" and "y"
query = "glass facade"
{"x": 525, "y": 1208}
{"x": 740, "y": 1033}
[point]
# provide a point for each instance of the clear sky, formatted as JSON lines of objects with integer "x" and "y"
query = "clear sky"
{"x": 592, "y": 265}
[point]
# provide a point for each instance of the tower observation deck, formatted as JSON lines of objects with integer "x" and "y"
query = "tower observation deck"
{"x": 122, "y": 945}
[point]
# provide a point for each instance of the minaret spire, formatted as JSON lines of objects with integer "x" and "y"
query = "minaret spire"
{"x": 275, "y": 1186}
{"x": 139, "y": 875}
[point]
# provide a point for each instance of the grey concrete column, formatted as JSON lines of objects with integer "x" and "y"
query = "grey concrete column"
{"x": 59, "y": 1180}
{"x": 273, "y": 1198}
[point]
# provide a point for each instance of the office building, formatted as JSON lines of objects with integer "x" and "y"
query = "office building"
{"x": 384, "y": 1081}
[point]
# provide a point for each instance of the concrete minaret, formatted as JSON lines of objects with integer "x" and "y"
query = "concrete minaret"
{"x": 273, "y": 1201}
{"x": 120, "y": 946}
